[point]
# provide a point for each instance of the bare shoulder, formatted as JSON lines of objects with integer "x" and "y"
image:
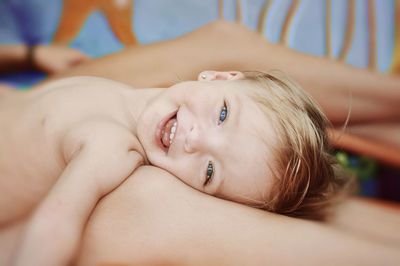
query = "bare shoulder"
{"x": 78, "y": 95}
{"x": 100, "y": 134}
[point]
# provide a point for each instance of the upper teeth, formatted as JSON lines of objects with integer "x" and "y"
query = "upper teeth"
{"x": 173, "y": 130}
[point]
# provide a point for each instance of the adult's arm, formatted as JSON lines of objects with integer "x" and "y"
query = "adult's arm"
{"x": 227, "y": 46}
{"x": 13, "y": 58}
{"x": 375, "y": 219}
{"x": 153, "y": 218}
{"x": 47, "y": 58}
{"x": 373, "y": 97}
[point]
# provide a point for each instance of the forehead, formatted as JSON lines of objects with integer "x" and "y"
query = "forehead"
{"x": 247, "y": 156}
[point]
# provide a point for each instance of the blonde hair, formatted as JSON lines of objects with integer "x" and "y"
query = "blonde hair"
{"x": 308, "y": 180}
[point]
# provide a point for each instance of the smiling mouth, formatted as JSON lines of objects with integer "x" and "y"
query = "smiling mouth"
{"x": 166, "y": 131}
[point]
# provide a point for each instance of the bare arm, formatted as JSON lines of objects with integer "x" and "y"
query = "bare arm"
{"x": 13, "y": 58}
{"x": 226, "y": 46}
{"x": 370, "y": 218}
{"x": 47, "y": 58}
{"x": 96, "y": 165}
{"x": 153, "y": 218}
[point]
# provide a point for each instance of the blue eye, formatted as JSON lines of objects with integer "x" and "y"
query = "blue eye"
{"x": 223, "y": 114}
{"x": 209, "y": 173}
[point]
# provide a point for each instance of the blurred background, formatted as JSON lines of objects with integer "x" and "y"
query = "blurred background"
{"x": 362, "y": 33}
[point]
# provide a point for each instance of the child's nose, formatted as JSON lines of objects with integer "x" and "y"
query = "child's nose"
{"x": 196, "y": 140}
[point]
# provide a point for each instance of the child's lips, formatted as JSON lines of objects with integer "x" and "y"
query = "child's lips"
{"x": 160, "y": 130}
{"x": 168, "y": 132}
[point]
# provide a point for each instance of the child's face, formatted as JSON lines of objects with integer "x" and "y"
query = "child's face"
{"x": 208, "y": 134}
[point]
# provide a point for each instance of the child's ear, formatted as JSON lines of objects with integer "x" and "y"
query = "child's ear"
{"x": 217, "y": 75}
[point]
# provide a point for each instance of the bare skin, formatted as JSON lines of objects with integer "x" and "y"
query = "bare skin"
{"x": 5, "y": 89}
{"x": 183, "y": 227}
{"x": 47, "y": 143}
{"x": 161, "y": 233}
{"x": 50, "y": 59}
{"x": 79, "y": 138}
{"x": 227, "y": 46}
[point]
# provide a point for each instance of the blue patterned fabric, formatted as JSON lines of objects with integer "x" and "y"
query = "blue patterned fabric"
{"x": 36, "y": 21}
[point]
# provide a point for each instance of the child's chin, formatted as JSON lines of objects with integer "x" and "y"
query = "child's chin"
{"x": 156, "y": 159}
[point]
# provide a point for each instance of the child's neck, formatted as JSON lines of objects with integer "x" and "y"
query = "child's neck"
{"x": 136, "y": 101}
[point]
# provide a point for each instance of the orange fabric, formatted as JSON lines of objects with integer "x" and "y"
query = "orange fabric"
{"x": 75, "y": 13}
